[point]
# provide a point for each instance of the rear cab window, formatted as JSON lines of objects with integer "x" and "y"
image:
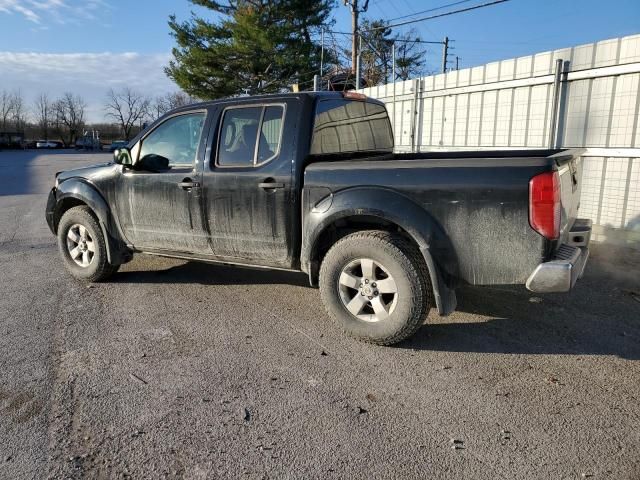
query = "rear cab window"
{"x": 250, "y": 136}
{"x": 344, "y": 126}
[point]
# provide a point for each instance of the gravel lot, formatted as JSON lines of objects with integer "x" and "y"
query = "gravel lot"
{"x": 178, "y": 369}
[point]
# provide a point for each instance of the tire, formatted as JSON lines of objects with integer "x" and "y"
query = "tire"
{"x": 392, "y": 257}
{"x": 95, "y": 266}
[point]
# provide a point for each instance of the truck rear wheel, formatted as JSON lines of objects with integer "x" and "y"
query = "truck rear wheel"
{"x": 82, "y": 246}
{"x": 375, "y": 285}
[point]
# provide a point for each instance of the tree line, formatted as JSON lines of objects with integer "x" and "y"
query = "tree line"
{"x": 64, "y": 117}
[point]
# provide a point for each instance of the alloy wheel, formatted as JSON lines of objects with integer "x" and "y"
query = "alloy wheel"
{"x": 80, "y": 245}
{"x": 367, "y": 290}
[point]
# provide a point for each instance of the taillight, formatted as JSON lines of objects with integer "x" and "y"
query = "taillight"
{"x": 544, "y": 204}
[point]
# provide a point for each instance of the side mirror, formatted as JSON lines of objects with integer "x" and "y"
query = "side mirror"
{"x": 122, "y": 156}
{"x": 153, "y": 163}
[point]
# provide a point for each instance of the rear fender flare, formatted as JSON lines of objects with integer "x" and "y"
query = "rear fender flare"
{"x": 395, "y": 208}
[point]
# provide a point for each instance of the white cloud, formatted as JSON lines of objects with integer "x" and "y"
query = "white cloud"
{"x": 60, "y": 11}
{"x": 28, "y": 13}
{"x": 89, "y": 75}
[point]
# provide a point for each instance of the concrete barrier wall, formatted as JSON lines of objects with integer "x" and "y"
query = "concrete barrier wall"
{"x": 586, "y": 96}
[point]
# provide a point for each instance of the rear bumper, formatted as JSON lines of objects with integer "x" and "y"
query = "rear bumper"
{"x": 561, "y": 273}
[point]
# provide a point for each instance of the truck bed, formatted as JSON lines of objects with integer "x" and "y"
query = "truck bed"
{"x": 479, "y": 201}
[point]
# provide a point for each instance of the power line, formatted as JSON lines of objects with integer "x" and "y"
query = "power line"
{"x": 356, "y": 31}
{"x": 430, "y": 10}
{"x": 488, "y": 4}
{"x": 374, "y": 3}
{"x": 432, "y": 42}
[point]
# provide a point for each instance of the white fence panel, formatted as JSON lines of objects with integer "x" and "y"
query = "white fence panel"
{"x": 511, "y": 104}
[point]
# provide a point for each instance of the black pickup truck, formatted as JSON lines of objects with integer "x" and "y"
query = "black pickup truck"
{"x": 309, "y": 182}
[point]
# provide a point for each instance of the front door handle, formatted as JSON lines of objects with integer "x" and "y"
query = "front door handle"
{"x": 187, "y": 184}
{"x": 270, "y": 185}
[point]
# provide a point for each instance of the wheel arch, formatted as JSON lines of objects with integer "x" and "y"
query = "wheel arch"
{"x": 386, "y": 210}
{"x": 78, "y": 192}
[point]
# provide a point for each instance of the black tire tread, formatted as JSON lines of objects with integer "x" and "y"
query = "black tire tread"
{"x": 405, "y": 252}
{"x": 83, "y": 214}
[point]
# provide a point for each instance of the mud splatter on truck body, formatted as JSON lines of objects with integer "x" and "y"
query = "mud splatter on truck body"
{"x": 276, "y": 181}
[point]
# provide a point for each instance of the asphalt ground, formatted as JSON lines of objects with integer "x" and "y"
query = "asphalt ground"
{"x": 175, "y": 369}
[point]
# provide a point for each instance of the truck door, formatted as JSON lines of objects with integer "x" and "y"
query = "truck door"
{"x": 161, "y": 210}
{"x": 248, "y": 185}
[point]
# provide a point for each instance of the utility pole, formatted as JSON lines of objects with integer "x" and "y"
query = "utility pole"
{"x": 355, "y": 32}
{"x": 457, "y": 62}
{"x": 445, "y": 54}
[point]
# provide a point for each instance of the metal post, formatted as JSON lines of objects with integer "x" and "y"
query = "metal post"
{"x": 322, "y": 52}
{"x": 445, "y": 53}
{"x": 393, "y": 63}
{"x": 393, "y": 79}
{"x": 316, "y": 82}
{"x": 414, "y": 113}
{"x": 557, "y": 85}
{"x": 358, "y": 62}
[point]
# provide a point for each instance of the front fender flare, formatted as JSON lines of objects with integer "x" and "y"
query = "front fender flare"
{"x": 82, "y": 190}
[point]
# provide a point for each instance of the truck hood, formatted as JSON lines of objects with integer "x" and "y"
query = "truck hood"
{"x": 90, "y": 173}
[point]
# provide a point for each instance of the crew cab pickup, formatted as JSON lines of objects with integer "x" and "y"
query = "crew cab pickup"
{"x": 309, "y": 182}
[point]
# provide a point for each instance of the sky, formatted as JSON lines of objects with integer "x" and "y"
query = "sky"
{"x": 89, "y": 46}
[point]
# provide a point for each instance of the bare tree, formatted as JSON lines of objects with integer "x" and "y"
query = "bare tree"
{"x": 6, "y": 109}
{"x": 127, "y": 108}
{"x": 410, "y": 56}
{"x": 12, "y": 111}
{"x": 18, "y": 114}
{"x": 69, "y": 114}
{"x": 168, "y": 102}
{"x": 43, "y": 110}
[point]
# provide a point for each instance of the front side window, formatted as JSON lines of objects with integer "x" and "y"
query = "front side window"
{"x": 176, "y": 139}
{"x": 250, "y": 135}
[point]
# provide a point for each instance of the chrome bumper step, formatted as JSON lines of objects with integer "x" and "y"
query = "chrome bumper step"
{"x": 567, "y": 266}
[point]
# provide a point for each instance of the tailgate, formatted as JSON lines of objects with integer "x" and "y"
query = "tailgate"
{"x": 569, "y": 166}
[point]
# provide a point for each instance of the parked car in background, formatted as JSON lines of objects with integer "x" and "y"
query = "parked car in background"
{"x": 88, "y": 143}
{"x": 116, "y": 144}
{"x": 49, "y": 144}
{"x": 310, "y": 182}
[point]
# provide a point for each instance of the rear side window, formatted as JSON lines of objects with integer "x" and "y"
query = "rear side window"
{"x": 270, "y": 133}
{"x": 250, "y": 136}
{"x": 346, "y": 126}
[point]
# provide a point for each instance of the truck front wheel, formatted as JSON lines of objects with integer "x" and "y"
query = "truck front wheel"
{"x": 82, "y": 245}
{"x": 375, "y": 285}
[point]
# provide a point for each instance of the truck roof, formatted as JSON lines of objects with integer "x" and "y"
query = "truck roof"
{"x": 272, "y": 97}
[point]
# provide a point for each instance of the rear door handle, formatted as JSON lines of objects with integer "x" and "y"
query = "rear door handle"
{"x": 270, "y": 185}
